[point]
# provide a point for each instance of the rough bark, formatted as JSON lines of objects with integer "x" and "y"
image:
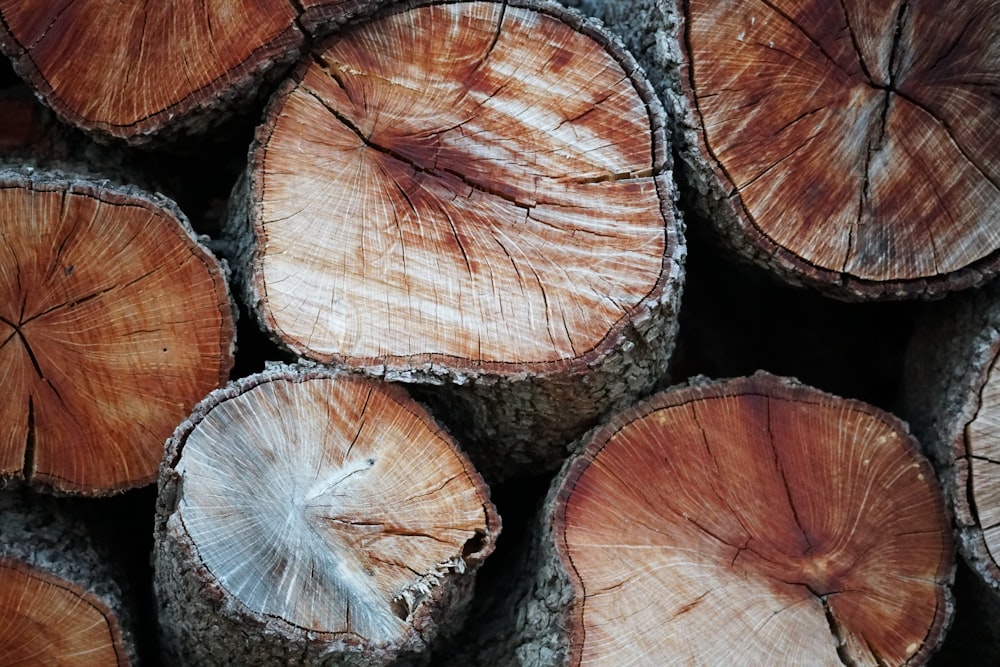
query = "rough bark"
{"x": 61, "y": 599}
{"x": 847, "y": 146}
{"x": 475, "y": 198}
{"x": 950, "y": 399}
{"x": 313, "y": 517}
{"x": 114, "y": 322}
{"x": 754, "y": 521}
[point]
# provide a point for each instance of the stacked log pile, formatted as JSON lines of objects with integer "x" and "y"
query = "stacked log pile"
{"x": 450, "y": 240}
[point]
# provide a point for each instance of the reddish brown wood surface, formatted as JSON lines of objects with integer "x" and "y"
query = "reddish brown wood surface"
{"x": 45, "y": 620}
{"x": 114, "y": 322}
{"x": 754, "y": 522}
{"x": 128, "y": 70}
{"x": 857, "y": 141}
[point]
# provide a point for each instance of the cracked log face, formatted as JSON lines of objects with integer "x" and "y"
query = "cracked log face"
{"x": 128, "y": 70}
{"x": 857, "y": 141}
{"x": 45, "y": 620}
{"x": 754, "y": 522}
{"x": 330, "y": 510}
{"x": 114, "y": 322}
{"x": 468, "y": 184}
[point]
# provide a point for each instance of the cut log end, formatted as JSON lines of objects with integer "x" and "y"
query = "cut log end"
{"x": 754, "y": 521}
{"x": 856, "y": 142}
{"x": 329, "y": 507}
{"x": 473, "y": 185}
{"x": 114, "y": 322}
{"x": 129, "y": 72}
{"x": 45, "y": 620}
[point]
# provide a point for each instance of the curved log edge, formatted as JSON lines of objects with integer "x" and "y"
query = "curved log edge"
{"x": 764, "y": 538}
{"x": 376, "y": 559}
{"x": 626, "y": 263}
{"x": 153, "y": 72}
{"x": 874, "y": 213}
{"x": 119, "y": 273}
{"x": 61, "y": 599}
{"x": 949, "y": 396}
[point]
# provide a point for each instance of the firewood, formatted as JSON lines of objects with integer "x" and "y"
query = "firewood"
{"x": 129, "y": 71}
{"x": 311, "y": 516}
{"x": 114, "y": 323}
{"x": 749, "y": 522}
{"x": 850, "y": 146}
{"x": 62, "y": 600}
{"x": 474, "y": 195}
{"x": 952, "y": 398}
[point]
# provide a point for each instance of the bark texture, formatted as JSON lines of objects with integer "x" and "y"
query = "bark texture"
{"x": 951, "y": 400}
{"x": 313, "y": 517}
{"x": 847, "y": 146}
{"x": 476, "y": 198}
{"x": 114, "y": 322}
{"x": 753, "y": 521}
{"x": 61, "y": 597}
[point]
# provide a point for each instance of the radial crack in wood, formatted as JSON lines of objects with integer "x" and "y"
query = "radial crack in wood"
{"x": 847, "y": 145}
{"x": 328, "y": 511}
{"x": 114, "y": 322}
{"x": 464, "y": 190}
{"x": 754, "y": 521}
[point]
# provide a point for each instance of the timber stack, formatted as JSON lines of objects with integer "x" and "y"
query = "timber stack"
{"x": 452, "y": 238}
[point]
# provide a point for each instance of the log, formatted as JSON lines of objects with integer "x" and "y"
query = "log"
{"x": 62, "y": 600}
{"x": 848, "y": 146}
{"x": 114, "y": 322}
{"x": 307, "y": 516}
{"x": 952, "y": 398}
{"x": 133, "y": 71}
{"x": 748, "y": 522}
{"x": 473, "y": 195}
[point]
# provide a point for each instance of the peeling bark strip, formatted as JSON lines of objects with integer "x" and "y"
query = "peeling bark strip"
{"x": 470, "y": 193}
{"x": 315, "y": 517}
{"x": 754, "y": 521}
{"x": 60, "y": 600}
{"x": 114, "y": 322}
{"x": 130, "y": 70}
{"x": 847, "y": 145}
{"x": 953, "y": 401}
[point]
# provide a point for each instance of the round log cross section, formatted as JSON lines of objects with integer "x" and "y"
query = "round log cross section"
{"x": 465, "y": 184}
{"x": 857, "y": 142}
{"x": 114, "y": 323}
{"x": 127, "y": 70}
{"x": 754, "y": 522}
{"x": 310, "y": 516}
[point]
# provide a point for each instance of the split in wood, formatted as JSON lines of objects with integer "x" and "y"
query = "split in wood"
{"x": 850, "y": 146}
{"x": 755, "y": 521}
{"x": 318, "y": 515}
{"x": 114, "y": 322}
